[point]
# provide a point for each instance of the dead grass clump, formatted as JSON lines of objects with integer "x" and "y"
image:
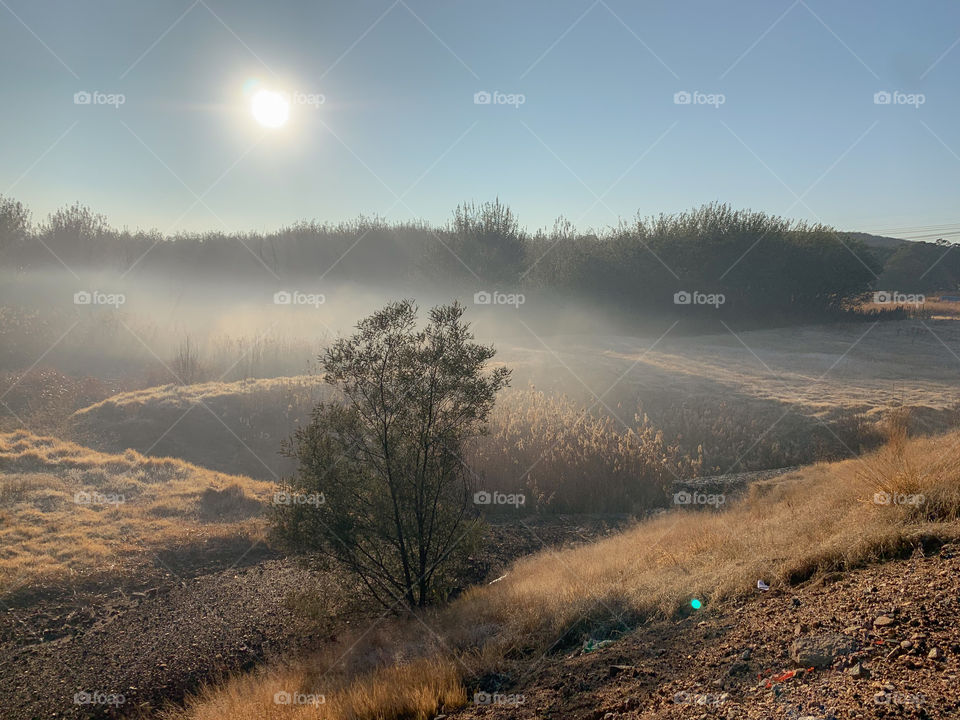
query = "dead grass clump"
{"x": 565, "y": 459}
{"x": 917, "y": 479}
{"x": 230, "y": 503}
{"x": 415, "y": 691}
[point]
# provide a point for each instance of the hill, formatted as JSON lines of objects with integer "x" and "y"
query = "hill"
{"x": 234, "y": 427}
{"x": 670, "y": 609}
{"x": 68, "y": 512}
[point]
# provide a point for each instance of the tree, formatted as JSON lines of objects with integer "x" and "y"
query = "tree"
{"x": 380, "y": 485}
{"x": 14, "y": 224}
{"x": 483, "y": 239}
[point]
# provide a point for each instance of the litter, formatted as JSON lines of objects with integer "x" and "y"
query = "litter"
{"x": 591, "y": 645}
{"x": 762, "y": 586}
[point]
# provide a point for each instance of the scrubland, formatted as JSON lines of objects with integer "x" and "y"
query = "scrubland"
{"x": 67, "y": 511}
{"x": 831, "y": 516}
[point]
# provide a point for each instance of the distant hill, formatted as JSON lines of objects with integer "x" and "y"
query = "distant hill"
{"x": 877, "y": 241}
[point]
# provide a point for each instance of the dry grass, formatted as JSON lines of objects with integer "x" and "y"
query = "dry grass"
{"x": 253, "y": 417}
{"x": 67, "y": 510}
{"x": 565, "y": 459}
{"x": 414, "y": 691}
{"x": 942, "y": 308}
{"x": 931, "y": 307}
{"x": 208, "y": 392}
{"x": 786, "y": 530}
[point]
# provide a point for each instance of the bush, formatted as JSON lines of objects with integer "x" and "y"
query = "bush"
{"x": 385, "y": 489}
{"x": 567, "y": 460}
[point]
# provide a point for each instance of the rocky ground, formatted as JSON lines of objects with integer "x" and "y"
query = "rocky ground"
{"x": 881, "y": 642}
{"x": 71, "y": 651}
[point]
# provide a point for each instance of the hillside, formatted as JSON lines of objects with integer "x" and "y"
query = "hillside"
{"x": 806, "y": 393}
{"x": 233, "y": 427}
{"x": 671, "y": 607}
{"x": 68, "y": 512}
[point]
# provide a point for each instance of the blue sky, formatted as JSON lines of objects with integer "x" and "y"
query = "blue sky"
{"x": 398, "y": 118}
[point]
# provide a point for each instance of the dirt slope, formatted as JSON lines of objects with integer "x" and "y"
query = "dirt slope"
{"x": 735, "y": 662}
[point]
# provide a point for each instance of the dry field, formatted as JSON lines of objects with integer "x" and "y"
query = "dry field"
{"x": 68, "y": 512}
{"x": 233, "y": 427}
{"x": 819, "y": 519}
{"x": 815, "y": 370}
{"x": 711, "y": 404}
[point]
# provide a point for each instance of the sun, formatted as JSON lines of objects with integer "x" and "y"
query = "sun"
{"x": 270, "y": 109}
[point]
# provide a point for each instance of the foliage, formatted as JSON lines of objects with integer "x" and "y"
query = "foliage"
{"x": 383, "y": 467}
{"x": 770, "y": 269}
{"x": 566, "y": 459}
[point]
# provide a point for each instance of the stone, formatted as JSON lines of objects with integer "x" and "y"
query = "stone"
{"x": 884, "y": 621}
{"x": 858, "y": 672}
{"x": 819, "y": 651}
{"x": 935, "y": 654}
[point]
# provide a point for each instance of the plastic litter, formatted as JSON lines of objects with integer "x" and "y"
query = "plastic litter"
{"x": 590, "y": 645}
{"x": 762, "y": 586}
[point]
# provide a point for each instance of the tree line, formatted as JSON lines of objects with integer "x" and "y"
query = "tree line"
{"x": 744, "y": 263}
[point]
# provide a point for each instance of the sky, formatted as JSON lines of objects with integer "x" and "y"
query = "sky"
{"x": 586, "y": 118}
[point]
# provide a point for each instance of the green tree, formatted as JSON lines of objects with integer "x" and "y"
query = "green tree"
{"x": 14, "y": 224}
{"x": 380, "y": 485}
{"x": 483, "y": 239}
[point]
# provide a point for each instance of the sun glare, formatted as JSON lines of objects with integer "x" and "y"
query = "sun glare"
{"x": 270, "y": 109}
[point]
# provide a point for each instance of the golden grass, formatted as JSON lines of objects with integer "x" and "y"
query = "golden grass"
{"x": 414, "y": 691}
{"x": 565, "y": 459}
{"x": 178, "y": 395}
{"x": 67, "y": 510}
{"x": 942, "y": 308}
{"x": 817, "y": 519}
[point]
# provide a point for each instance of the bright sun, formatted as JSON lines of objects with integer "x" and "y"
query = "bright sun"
{"x": 270, "y": 109}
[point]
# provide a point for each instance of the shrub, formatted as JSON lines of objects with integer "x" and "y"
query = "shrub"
{"x": 568, "y": 460}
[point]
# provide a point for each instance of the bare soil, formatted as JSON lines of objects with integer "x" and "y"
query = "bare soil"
{"x": 734, "y": 661}
{"x": 154, "y": 635}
